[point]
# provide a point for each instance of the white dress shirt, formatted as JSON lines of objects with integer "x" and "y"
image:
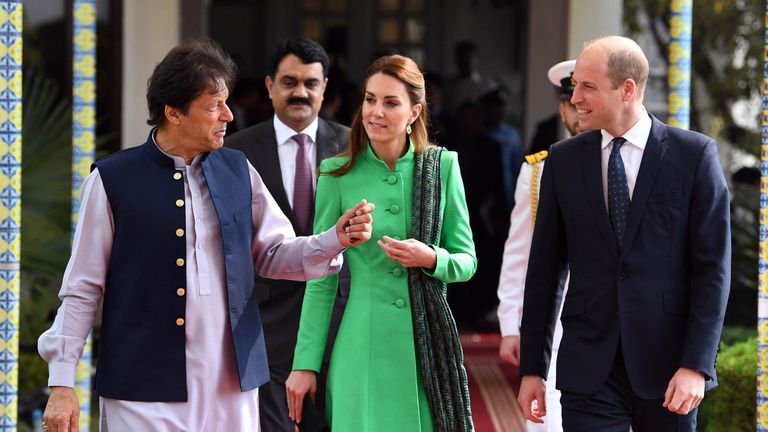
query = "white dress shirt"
{"x": 215, "y": 401}
{"x": 287, "y": 149}
{"x": 631, "y": 152}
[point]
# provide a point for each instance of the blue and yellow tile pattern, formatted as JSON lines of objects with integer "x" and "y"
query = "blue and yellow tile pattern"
{"x": 679, "y": 73}
{"x": 83, "y": 153}
{"x": 10, "y": 208}
{"x": 762, "y": 294}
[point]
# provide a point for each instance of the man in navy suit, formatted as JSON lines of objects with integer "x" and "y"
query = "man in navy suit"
{"x": 638, "y": 211}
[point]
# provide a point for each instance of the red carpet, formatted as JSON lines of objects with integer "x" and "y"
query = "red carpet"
{"x": 493, "y": 385}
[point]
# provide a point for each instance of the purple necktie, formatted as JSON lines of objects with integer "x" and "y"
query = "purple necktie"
{"x": 303, "y": 196}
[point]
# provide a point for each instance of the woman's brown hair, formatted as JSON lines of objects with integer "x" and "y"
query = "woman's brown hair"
{"x": 406, "y": 71}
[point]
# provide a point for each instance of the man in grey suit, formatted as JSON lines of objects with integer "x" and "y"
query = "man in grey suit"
{"x": 296, "y": 82}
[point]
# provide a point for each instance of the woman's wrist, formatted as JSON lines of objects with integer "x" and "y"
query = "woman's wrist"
{"x": 432, "y": 264}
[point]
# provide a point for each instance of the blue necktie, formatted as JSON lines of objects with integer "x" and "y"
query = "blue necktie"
{"x": 618, "y": 191}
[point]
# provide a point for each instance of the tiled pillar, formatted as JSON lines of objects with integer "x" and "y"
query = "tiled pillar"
{"x": 10, "y": 208}
{"x": 83, "y": 153}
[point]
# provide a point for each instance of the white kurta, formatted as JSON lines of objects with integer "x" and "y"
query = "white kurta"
{"x": 512, "y": 287}
{"x": 215, "y": 401}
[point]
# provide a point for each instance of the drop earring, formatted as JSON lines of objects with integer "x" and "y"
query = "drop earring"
{"x": 408, "y": 129}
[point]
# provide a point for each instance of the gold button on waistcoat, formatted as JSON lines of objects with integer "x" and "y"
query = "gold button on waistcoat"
{"x": 180, "y": 262}
{"x": 179, "y": 232}
{"x": 179, "y": 203}
{"x": 177, "y": 176}
{"x": 180, "y": 292}
{"x": 179, "y": 322}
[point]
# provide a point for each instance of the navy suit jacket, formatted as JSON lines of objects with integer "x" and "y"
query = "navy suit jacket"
{"x": 661, "y": 296}
{"x": 280, "y": 301}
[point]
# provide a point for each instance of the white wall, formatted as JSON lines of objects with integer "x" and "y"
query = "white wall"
{"x": 580, "y": 21}
{"x": 150, "y": 29}
{"x": 547, "y": 36}
{"x": 590, "y": 19}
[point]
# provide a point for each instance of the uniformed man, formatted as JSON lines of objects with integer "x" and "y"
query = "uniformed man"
{"x": 518, "y": 246}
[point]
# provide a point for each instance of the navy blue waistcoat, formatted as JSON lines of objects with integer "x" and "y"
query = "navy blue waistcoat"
{"x": 142, "y": 348}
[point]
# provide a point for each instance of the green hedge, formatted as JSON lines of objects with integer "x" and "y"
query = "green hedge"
{"x": 731, "y": 406}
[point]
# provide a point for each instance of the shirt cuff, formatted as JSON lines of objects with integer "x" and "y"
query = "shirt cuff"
{"x": 329, "y": 242}
{"x": 61, "y": 374}
{"x": 509, "y": 328}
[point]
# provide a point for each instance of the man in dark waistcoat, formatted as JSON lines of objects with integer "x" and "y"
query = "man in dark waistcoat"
{"x": 169, "y": 236}
{"x": 296, "y": 83}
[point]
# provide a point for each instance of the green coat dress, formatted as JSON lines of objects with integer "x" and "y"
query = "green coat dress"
{"x": 374, "y": 383}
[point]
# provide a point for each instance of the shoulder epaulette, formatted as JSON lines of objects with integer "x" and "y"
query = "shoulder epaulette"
{"x": 536, "y": 157}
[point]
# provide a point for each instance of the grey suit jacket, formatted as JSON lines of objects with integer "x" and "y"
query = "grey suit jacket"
{"x": 280, "y": 301}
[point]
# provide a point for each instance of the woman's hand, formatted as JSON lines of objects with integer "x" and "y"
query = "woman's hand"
{"x": 298, "y": 384}
{"x": 409, "y": 253}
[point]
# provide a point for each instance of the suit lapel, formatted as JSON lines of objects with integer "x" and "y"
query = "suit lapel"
{"x": 269, "y": 169}
{"x": 326, "y": 144}
{"x": 591, "y": 161}
{"x": 653, "y": 154}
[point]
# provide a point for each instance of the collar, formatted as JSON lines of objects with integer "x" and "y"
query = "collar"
{"x": 178, "y": 161}
{"x": 401, "y": 164}
{"x": 283, "y": 133}
{"x": 637, "y": 135}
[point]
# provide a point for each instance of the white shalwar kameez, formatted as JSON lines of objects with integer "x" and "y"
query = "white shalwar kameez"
{"x": 215, "y": 402}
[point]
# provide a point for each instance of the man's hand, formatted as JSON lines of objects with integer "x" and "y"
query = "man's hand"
{"x": 509, "y": 351}
{"x": 354, "y": 226}
{"x": 531, "y": 398}
{"x": 684, "y": 392}
{"x": 63, "y": 411}
{"x": 298, "y": 384}
{"x": 409, "y": 253}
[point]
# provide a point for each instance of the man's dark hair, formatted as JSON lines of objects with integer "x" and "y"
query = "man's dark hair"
{"x": 307, "y": 50}
{"x": 185, "y": 73}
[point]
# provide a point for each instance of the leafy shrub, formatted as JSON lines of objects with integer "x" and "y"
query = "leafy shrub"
{"x": 732, "y": 405}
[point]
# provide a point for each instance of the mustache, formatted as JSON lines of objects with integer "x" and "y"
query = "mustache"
{"x": 299, "y": 101}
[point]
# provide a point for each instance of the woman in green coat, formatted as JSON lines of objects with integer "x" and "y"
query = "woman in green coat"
{"x": 375, "y": 380}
